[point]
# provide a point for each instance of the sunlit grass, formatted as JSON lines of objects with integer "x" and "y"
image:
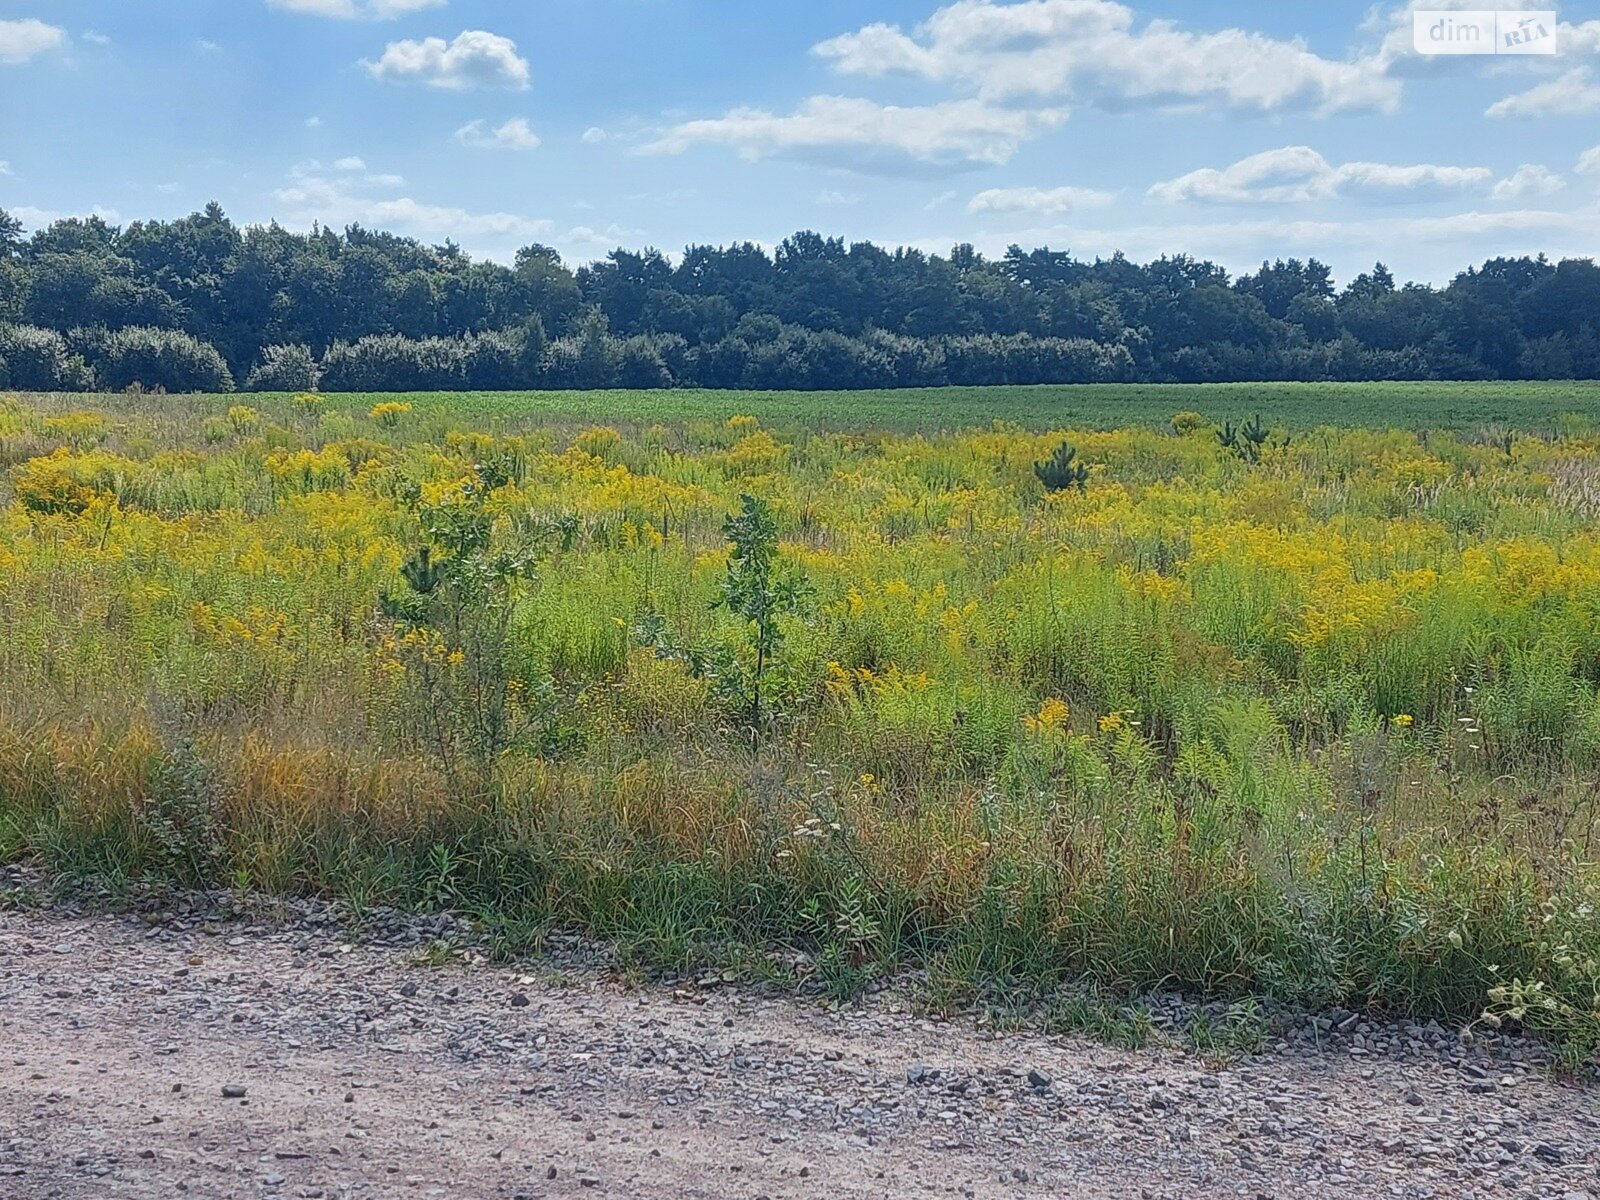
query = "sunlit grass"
{"x": 1322, "y": 727}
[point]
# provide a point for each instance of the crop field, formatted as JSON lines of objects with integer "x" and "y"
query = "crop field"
{"x": 825, "y": 686}
{"x": 1535, "y": 407}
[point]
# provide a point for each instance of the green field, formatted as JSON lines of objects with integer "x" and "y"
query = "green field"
{"x": 1533, "y": 406}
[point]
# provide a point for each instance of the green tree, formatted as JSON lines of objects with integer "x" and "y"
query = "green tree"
{"x": 755, "y": 589}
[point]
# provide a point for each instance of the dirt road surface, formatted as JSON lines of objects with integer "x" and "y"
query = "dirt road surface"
{"x": 140, "y": 1062}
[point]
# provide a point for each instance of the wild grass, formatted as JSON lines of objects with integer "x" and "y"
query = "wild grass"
{"x": 1319, "y": 725}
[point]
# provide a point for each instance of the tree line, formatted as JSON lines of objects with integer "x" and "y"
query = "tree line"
{"x": 203, "y": 304}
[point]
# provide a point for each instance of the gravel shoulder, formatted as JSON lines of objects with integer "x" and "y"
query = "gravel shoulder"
{"x": 366, "y": 1074}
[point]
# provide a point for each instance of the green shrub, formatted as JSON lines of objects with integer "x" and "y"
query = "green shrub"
{"x": 283, "y": 369}
{"x": 152, "y": 359}
{"x": 40, "y": 360}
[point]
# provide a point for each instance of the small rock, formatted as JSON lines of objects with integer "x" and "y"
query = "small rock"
{"x": 233, "y": 1091}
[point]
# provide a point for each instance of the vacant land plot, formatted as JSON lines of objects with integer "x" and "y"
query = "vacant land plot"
{"x": 1300, "y": 712}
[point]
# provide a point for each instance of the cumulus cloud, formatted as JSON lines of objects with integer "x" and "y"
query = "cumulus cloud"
{"x": 1298, "y": 175}
{"x": 865, "y": 136}
{"x": 1423, "y": 247}
{"x": 1396, "y": 51}
{"x": 39, "y": 218}
{"x": 356, "y": 10}
{"x": 1589, "y": 162}
{"x": 349, "y": 195}
{"x": 22, "y": 41}
{"x": 354, "y": 168}
{"x": 474, "y": 59}
{"x": 515, "y": 134}
{"x": 1039, "y": 200}
{"x": 1098, "y": 51}
{"x": 1568, "y": 95}
{"x": 1529, "y": 179}
{"x": 587, "y": 239}
{"x": 1580, "y": 39}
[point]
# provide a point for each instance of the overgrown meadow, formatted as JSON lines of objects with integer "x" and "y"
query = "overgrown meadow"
{"x": 1310, "y": 717}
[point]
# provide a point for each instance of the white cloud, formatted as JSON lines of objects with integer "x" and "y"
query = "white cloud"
{"x": 356, "y": 10}
{"x": 95, "y": 38}
{"x": 866, "y": 136}
{"x": 1420, "y": 247}
{"x": 1572, "y": 94}
{"x": 474, "y": 59}
{"x": 38, "y": 218}
{"x": 594, "y": 135}
{"x": 1039, "y": 200}
{"x": 1582, "y": 39}
{"x": 342, "y": 198}
{"x": 1589, "y": 162}
{"x": 515, "y": 134}
{"x": 1396, "y": 51}
{"x": 354, "y": 168}
{"x": 585, "y": 237}
{"x": 827, "y": 198}
{"x": 1096, "y": 50}
{"x": 1530, "y": 179}
{"x": 1467, "y": 224}
{"x": 1298, "y": 175}
{"x": 21, "y": 41}
{"x": 1397, "y": 54}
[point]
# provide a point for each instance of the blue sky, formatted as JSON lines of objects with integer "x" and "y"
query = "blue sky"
{"x": 1234, "y": 130}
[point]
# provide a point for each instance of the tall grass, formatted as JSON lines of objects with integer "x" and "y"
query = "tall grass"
{"x": 1322, "y": 727}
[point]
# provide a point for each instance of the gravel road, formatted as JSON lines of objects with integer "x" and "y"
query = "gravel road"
{"x": 246, "y": 1060}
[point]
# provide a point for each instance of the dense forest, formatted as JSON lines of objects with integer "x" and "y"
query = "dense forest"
{"x": 202, "y": 304}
